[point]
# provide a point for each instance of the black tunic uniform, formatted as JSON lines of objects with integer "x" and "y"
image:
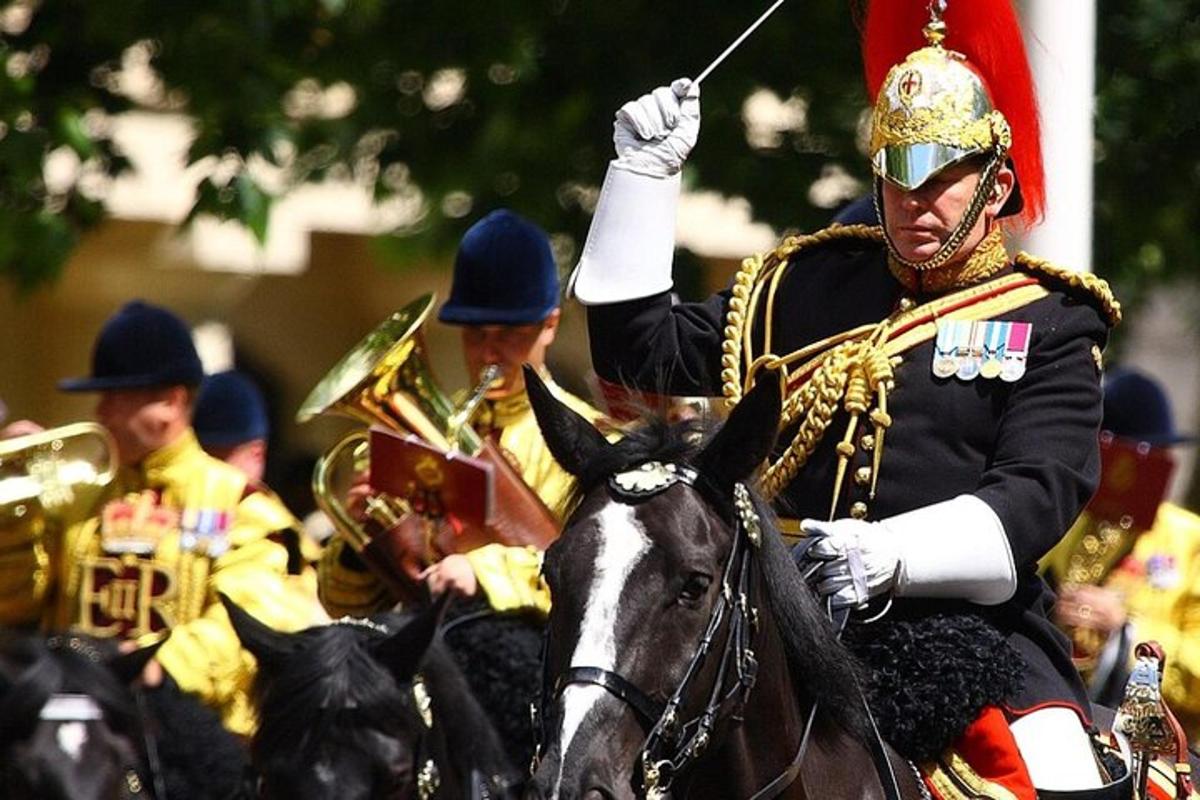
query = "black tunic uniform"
{"x": 1029, "y": 449}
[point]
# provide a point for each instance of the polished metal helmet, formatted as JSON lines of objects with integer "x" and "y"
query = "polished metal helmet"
{"x": 934, "y": 110}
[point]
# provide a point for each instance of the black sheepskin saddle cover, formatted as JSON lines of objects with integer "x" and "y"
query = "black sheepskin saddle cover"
{"x": 928, "y": 678}
{"x": 501, "y": 657}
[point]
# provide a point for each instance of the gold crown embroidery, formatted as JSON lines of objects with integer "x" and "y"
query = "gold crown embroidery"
{"x": 136, "y": 524}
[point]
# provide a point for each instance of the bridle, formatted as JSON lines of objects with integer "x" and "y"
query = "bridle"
{"x": 671, "y": 745}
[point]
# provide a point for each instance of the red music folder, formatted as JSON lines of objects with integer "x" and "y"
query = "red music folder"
{"x": 433, "y": 481}
{"x": 1134, "y": 481}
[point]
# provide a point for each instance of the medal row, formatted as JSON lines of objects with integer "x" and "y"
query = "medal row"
{"x": 969, "y": 349}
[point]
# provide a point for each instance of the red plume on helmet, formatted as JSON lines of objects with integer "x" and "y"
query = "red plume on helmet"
{"x": 988, "y": 33}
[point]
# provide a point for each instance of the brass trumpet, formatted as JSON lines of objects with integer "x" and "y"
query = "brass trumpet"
{"x": 47, "y": 480}
{"x": 386, "y": 380}
{"x": 55, "y": 470}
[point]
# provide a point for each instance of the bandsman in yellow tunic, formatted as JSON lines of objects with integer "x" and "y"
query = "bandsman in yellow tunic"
{"x": 1153, "y": 593}
{"x": 232, "y": 424}
{"x": 173, "y": 529}
{"x": 505, "y": 298}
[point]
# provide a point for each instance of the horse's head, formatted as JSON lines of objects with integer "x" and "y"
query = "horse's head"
{"x": 648, "y": 567}
{"x": 342, "y": 709}
{"x": 69, "y": 727}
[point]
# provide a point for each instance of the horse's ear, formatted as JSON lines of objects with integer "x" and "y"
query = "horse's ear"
{"x": 128, "y": 666}
{"x": 264, "y": 642}
{"x": 746, "y": 438}
{"x": 573, "y": 441}
{"x": 402, "y": 652}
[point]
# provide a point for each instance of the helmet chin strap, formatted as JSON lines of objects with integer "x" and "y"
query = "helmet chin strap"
{"x": 979, "y": 200}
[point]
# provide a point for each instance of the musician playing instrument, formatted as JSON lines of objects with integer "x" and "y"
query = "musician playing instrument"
{"x": 174, "y": 528}
{"x": 1154, "y": 592}
{"x": 505, "y": 299}
{"x": 940, "y": 424}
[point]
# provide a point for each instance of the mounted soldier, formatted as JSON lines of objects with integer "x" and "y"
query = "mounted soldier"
{"x": 942, "y": 397}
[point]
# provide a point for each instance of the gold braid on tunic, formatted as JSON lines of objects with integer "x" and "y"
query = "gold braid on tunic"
{"x": 854, "y": 372}
{"x": 854, "y": 369}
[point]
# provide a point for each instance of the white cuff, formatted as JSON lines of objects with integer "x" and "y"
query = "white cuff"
{"x": 631, "y": 243}
{"x": 954, "y": 549}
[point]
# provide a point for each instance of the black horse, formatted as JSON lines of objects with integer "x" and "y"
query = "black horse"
{"x": 73, "y": 726}
{"x": 372, "y": 708}
{"x": 685, "y": 654}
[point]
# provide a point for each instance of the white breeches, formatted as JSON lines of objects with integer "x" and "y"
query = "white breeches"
{"x": 1057, "y": 750}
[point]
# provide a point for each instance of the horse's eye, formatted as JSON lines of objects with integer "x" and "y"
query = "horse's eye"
{"x": 694, "y": 589}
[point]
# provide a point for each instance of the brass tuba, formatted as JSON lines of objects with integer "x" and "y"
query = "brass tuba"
{"x": 386, "y": 380}
{"x": 47, "y": 480}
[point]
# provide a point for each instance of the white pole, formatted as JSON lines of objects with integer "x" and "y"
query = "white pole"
{"x": 1060, "y": 36}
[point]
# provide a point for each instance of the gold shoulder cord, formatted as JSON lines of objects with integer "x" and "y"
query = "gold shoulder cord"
{"x": 854, "y": 370}
{"x": 739, "y": 320}
{"x": 1085, "y": 282}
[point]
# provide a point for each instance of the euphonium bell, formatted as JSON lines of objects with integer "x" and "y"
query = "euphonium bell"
{"x": 386, "y": 380}
{"x": 47, "y": 480}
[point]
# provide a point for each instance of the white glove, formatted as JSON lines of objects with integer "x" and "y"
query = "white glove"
{"x": 861, "y": 560}
{"x": 655, "y": 133}
{"x": 953, "y": 549}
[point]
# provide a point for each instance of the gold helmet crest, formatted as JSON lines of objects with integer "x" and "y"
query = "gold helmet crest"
{"x": 933, "y": 110}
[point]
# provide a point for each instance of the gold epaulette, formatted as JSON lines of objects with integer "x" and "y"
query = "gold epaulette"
{"x": 1095, "y": 289}
{"x": 747, "y": 284}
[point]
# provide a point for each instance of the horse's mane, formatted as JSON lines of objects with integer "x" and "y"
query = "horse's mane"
{"x": 337, "y": 687}
{"x": 335, "y": 683}
{"x": 825, "y": 670}
{"x": 471, "y": 736}
{"x": 33, "y": 672}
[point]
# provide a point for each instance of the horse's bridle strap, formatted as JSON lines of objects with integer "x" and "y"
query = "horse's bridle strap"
{"x": 649, "y": 710}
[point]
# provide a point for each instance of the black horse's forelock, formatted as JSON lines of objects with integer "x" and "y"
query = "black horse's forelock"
{"x": 333, "y": 689}
{"x": 332, "y": 686}
{"x": 655, "y": 440}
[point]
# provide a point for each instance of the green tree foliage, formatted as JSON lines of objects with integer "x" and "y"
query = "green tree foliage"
{"x": 1147, "y": 130}
{"x": 478, "y": 104}
{"x": 481, "y": 104}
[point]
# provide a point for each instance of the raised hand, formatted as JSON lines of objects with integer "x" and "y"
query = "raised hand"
{"x": 654, "y": 134}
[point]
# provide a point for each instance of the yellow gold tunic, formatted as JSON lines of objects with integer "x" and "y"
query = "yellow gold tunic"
{"x": 1161, "y": 583}
{"x": 168, "y": 536}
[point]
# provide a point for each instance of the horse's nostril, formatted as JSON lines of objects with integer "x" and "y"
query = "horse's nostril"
{"x": 597, "y": 794}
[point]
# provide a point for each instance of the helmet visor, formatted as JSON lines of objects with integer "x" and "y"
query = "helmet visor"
{"x": 909, "y": 166}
